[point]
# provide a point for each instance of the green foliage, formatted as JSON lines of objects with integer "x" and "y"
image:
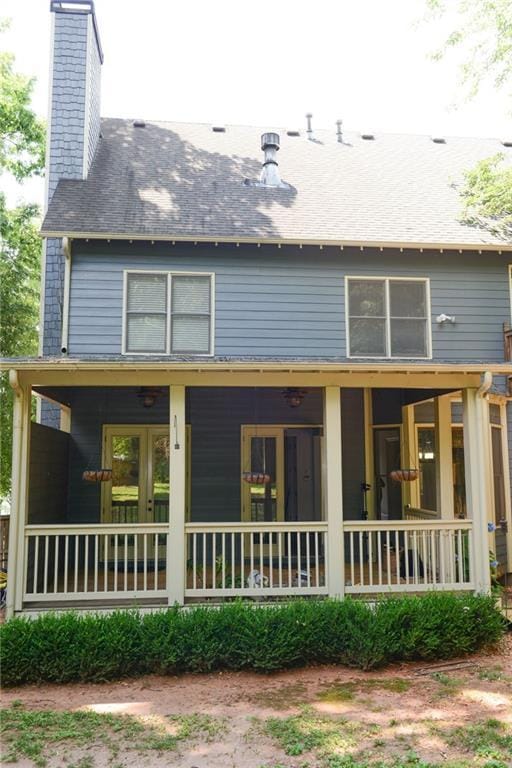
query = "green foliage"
{"x": 22, "y": 155}
{"x": 19, "y": 280}
{"x": 67, "y": 647}
{"x": 487, "y": 194}
{"x": 21, "y": 133}
{"x": 484, "y": 32}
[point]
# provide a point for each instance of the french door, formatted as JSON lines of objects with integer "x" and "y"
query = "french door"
{"x": 281, "y": 473}
{"x": 139, "y": 489}
{"x": 262, "y": 474}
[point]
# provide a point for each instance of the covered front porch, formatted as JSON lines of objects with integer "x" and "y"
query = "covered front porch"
{"x": 260, "y": 483}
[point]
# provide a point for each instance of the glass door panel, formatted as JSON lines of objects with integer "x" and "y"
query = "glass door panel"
{"x": 263, "y": 492}
{"x": 158, "y": 477}
{"x": 125, "y": 502}
{"x": 262, "y": 474}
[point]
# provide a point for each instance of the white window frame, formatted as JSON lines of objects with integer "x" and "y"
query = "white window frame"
{"x": 169, "y": 274}
{"x": 386, "y": 279}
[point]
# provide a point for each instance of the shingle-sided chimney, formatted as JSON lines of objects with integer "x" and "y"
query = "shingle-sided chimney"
{"x": 75, "y": 69}
{"x": 72, "y": 134}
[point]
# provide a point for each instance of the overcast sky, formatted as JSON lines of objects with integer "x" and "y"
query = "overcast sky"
{"x": 267, "y": 64}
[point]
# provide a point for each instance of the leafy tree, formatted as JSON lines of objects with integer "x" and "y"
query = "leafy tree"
{"x": 484, "y": 33}
{"x": 488, "y": 196}
{"x": 22, "y": 155}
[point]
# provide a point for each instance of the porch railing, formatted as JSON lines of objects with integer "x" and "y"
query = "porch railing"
{"x": 94, "y": 562}
{"x": 73, "y": 563}
{"x": 256, "y": 559}
{"x": 408, "y": 555}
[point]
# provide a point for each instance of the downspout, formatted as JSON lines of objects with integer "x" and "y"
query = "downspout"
{"x": 66, "y": 252}
{"x": 485, "y": 385}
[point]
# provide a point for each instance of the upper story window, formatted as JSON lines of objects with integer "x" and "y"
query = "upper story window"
{"x": 168, "y": 313}
{"x": 388, "y": 317}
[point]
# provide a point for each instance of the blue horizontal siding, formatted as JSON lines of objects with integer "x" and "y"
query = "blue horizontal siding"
{"x": 290, "y": 301}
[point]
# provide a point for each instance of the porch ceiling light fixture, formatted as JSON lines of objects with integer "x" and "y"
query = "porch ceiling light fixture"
{"x": 148, "y": 395}
{"x": 294, "y": 396}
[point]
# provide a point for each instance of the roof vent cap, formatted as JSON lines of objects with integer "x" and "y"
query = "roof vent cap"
{"x": 368, "y": 136}
{"x": 309, "y": 129}
{"x": 269, "y": 176}
{"x": 438, "y": 139}
{"x": 219, "y": 128}
{"x": 507, "y": 142}
{"x": 293, "y": 132}
{"x": 139, "y": 123}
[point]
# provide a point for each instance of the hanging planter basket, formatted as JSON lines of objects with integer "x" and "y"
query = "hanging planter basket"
{"x": 404, "y": 475}
{"x": 97, "y": 475}
{"x": 255, "y": 478}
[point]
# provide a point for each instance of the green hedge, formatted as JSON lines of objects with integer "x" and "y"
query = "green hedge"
{"x": 65, "y": 647}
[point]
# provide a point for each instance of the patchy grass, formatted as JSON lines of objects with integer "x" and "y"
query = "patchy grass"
{"x": 494, "y": 674}
{"x": 408, "y": 761}
{"x": 448, "y": 686}
{"x": 310, "y": 731}
{"x": 490, "y": 739}
{"x": 285, "y": 697}
{"x": 84, "y": 762}
{"x": 348, "y": 691}
{"x": 32, "y": 733}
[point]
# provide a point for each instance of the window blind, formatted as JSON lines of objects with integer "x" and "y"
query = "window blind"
{"x": 146, "y": 320}
{"x": 190, "y": 314}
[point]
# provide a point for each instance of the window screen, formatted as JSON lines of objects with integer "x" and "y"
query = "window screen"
{"x": 146, "y": 313}
{"x": 190, "y": 314}
{"x": 388, "y": 318}
{"x": 367, "y": 317}
{"x": 408, "y": 318}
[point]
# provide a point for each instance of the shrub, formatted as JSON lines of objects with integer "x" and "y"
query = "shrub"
{"x": 240, "y": 635}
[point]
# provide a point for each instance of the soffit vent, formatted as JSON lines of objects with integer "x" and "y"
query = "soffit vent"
{"x": 139, "y": 123}
{"x": 219, "y": 128}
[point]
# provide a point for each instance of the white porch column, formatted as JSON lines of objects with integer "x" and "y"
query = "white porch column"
{"x": 409, "y": 456}
{"x": 176, "y": 560}
{"x": 444, "y": 457}
{"x": 333, "y": 494}
{"x": 477, "y": 467}
{"x": 19, "y": 495}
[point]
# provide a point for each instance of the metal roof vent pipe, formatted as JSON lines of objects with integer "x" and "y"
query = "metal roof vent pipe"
{"x": 309, "y": 129}
{"x": 270, "y": 172}
{"x": 339, "y": 132}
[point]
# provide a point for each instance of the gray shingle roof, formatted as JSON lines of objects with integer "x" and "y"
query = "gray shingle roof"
{"x": 184, "y": 180}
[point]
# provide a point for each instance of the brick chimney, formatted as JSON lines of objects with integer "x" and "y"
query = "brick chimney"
{"x": 73, "y": 134}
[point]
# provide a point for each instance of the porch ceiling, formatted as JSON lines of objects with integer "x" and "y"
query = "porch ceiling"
{"x": 229, "y": 372}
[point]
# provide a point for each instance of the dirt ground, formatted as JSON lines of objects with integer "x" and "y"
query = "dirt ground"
{"x": 403, "y": 711}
